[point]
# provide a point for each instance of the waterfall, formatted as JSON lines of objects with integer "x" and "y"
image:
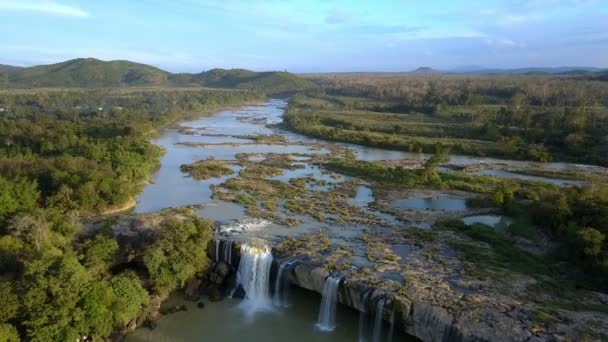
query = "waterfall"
{"x": 227, "y": 252}
{"x": 363, "y": 314}
{"x": 254, "y": 276}
{"x": 327, "y": 311}
{"x": 281, "y": 287}
{"x": 217, "y": 250}
{"x": 391, "y": 331}
{"x": 378, "y": 323}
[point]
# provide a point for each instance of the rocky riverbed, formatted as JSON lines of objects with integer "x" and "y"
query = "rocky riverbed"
{"x": 409, "y": 246}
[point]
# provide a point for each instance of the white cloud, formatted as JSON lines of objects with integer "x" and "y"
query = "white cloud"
{"x": 42, "y": 6}
{"x": 504, "y": 43}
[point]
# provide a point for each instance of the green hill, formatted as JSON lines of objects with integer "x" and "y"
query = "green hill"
{"x": 7, "y": 68}
{"x": 87, "y": 73}
{"x": 274, "y": 81}
{"x": 93, "y": 73}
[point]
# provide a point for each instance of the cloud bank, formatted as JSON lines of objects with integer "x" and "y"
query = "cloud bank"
{"x": 45, "y": 7}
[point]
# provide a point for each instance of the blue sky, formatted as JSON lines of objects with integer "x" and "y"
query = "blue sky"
{"x": 308, "y": 35}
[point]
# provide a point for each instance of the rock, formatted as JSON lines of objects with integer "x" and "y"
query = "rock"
{"x": 154, "y": 307}
{"x": 212, "y": 277}
{"x": 150, "y": 324}
{"x": 239, "y": 293}
{"x": 192, "y": 291}
{"x": 222, "y": 270}
{"x": 215, "y": 295}
{"x": 174, "y": 309}
{"x": 200, "y": 305}
{"x": 131, "y": 326}
{"x": 310, "y": 277}
{"x": 429, "y": 323}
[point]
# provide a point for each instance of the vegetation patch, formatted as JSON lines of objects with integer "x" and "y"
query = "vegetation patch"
{"x": 205, "y": 169}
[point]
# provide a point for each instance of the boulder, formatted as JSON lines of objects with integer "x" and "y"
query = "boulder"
{"x": 154, "y": 307}
{"x": 222, "y": 269}
{"x": 310, "y": 277}
{"x": 150, "y": 324}
{"x": 215, "y": 295}
{"x": 239, "y": 293}
{"x": 428, "y": 322}
{"x": 192, "y": 290}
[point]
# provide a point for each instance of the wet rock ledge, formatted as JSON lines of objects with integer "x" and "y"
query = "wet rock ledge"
{"x": 420, "y": 319}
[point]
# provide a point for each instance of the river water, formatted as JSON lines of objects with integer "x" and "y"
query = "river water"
{"x": 171, "y": 188}
{"x": 223, "y": 135}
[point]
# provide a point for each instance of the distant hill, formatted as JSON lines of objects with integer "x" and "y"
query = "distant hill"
{"x": 94, "y": 73}
{"x": 425, "y": 71}
{"x": 600, "y": 76}
{"x": 275, "y": 81}
{"x": 525, "y": 71}
{"x": 87, "y": 73}
{"x": 7, "y": 68}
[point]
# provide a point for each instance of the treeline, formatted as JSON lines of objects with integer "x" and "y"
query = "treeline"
{"x": 64, "y": 154}
{"x": 523, "y": 117}
{"x": 459, "y": 90}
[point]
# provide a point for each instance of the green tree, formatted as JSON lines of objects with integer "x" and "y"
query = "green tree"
{"x": 16, "y": 195}
{"x": 54, "y": 288}
{"x": 131, "y": 297}
{"x": 98, "y": 310}
{"x": 441, "y": 156}
{"x": 9, "y": 302}
{"x": 177, "y": 255}
{"x": 590, "y": 242}
{"x": 98, "y": 253}
{"x": 8, "y": 333}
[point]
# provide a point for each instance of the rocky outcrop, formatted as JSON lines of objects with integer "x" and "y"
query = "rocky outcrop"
{"x": 192, "y": 290}
{"x": 460, "y": 318}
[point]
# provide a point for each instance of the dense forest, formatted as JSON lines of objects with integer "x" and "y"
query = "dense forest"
{"x": 541, "y": 118}
{"x": 65, "y": 154}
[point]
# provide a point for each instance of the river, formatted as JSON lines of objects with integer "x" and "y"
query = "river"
{"x": 222, "y": 136}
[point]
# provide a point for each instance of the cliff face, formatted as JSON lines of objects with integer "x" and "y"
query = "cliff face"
{"x": 430, "y": 305}
{"x": 418, "y": 318}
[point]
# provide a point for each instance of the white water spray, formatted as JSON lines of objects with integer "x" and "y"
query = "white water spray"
{"x": 254, "y": 276}
{"x": 327, "y": 311}
{"x": 245, "y": 225}
{"x": 378, "y": 323}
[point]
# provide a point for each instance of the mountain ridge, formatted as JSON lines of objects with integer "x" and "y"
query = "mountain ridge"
{"x": 95, "y": 73}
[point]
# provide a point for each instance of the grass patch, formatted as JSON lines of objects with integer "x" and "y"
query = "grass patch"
{"x": 496, "y": 253}
{"x": 206, "y": 169}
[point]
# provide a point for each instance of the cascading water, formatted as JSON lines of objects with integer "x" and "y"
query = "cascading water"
{"x": 327, "y": 311}
{"x": 227, "y": 252}
{"x": 217, "y": 250}
{"x": 281, "y": 286}
{"x": 391, "y": 331}
{"x": 254, "y": 276}
{"x": 363, "y": 314}
{"x": 378, "y": 323}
